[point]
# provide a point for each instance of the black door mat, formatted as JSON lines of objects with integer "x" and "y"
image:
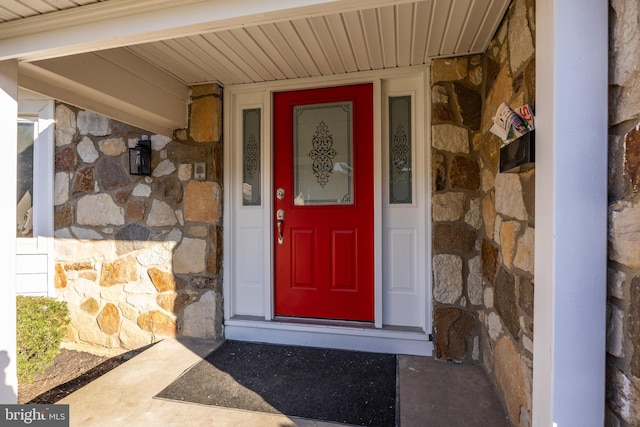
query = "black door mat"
{"x": 331, "y": 385}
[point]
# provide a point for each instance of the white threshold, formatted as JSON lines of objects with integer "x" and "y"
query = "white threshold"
{"x": 337, "y": 335}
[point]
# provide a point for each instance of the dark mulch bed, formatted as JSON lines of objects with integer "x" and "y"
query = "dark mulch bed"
{"x": 70, "y": 371}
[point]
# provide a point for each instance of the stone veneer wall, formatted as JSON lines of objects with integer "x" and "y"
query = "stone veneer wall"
{"x": 623, "y": 314}
{"x": 138, "y": 258}
{"x": 483, "y": 220}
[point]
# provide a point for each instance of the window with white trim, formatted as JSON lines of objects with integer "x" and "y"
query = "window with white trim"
{"x": 34, "y": 203}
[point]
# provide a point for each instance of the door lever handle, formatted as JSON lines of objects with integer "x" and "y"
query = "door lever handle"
{"x": 280, "y": 224}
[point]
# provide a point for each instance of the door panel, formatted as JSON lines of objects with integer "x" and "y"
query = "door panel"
{"x": 323, "y": 170}
{"x": 303, "y": 255}
{"x": 344, "y": 256}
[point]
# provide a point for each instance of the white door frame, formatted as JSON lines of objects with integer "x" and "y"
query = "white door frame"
{"x": 257, "y": 277}
{"x": 35, "y": 258}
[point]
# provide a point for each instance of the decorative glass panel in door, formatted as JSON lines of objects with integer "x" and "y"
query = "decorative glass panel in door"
{"x": 322, "y": 143}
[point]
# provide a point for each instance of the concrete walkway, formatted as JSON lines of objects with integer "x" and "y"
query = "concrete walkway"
{"x": 432, "y": 393}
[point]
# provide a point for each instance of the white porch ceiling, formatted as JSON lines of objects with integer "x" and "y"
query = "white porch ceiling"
{"x": 16, "y": 9}
{"x": 378, "y": 38}
{"x": 219, "y": 41}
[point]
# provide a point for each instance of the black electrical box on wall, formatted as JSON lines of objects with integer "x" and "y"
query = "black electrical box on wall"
{"x": 519, "y": 155}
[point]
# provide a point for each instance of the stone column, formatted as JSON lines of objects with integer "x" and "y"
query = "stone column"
{"x": 571, "y": 213}
{"x": 8, "y": 130}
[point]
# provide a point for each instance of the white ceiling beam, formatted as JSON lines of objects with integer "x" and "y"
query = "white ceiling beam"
{"x": 90, "y": 81}
{"x": 121, "y": 76}
{"x": 133, "y": 64}
{"x": 118, "y": 23}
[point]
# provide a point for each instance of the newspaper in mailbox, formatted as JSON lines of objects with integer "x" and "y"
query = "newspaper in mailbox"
{"x": 526, "y": 113}
{"x": 509, "y": 124}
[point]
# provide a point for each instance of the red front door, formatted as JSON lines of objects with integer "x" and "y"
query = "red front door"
{"x": 323, "y": 219}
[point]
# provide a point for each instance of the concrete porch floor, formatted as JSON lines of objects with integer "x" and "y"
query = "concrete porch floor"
{"x": 432, "y": 393}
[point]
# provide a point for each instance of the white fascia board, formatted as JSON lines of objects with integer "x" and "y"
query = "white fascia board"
{"x": 118, "y": 23}
{"x": 146, "y": 110}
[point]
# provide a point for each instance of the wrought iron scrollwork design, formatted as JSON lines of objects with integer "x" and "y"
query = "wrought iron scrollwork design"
{"x": 400, "y": 149}
{"x": 322, "y": 153}
{"x": 251, "y": 157}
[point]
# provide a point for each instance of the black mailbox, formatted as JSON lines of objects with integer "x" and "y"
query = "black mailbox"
{"x": 519, "y": 155}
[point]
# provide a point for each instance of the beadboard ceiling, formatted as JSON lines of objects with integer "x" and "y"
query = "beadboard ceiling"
{"x": 11, "y": 10}
{"x": 134, "y": 60}
{"x": 403, "y": 33}
{"x": 369, "y": 39}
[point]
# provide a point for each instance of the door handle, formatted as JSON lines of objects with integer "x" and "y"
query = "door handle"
{"x": 280, "y": 235}
{"x": 280, "y": 224}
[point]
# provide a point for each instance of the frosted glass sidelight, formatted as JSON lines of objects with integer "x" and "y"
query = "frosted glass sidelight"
{"x": 400, "y": 142}
{"x": 24, "y": 212}
{"x": 251, "y": 174}
{"x": 323, "y": 154}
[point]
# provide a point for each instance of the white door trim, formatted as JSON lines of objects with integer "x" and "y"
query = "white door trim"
{"x": 35, "y": 259}
{"x": 261, "y": 321}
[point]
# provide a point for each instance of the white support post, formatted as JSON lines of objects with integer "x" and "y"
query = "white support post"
{"x": 571, "y": 213}
{"x": 8, "y": 130}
